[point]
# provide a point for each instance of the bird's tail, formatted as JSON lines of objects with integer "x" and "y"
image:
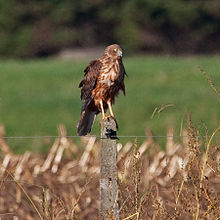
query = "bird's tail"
{"x": 85, "y": 124}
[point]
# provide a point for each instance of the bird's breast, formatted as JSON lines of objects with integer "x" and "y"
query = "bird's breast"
{"x": 108, "y": 76}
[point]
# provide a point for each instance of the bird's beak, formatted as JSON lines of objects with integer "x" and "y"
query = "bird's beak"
{"x": 119, "y": 53}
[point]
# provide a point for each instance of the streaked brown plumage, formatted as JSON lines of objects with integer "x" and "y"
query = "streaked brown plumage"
{"x": 103, "y": 79}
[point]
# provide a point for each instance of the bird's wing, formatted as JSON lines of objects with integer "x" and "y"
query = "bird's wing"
{"x": 89, "y": 81}
{"x": 121, "y": 76}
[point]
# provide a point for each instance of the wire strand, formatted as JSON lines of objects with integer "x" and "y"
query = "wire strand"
{"x": 98, "y": 136}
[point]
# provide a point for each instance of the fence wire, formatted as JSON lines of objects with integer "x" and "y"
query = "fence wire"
{"x": 99, "y": 137}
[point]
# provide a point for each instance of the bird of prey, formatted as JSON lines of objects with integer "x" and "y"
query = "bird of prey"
{"x": 103, "y": 79}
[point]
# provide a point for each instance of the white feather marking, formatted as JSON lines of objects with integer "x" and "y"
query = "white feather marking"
{"x": 108, "y": 76}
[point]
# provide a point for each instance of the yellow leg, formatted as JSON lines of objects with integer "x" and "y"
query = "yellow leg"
{"x": 102, "y": 109}
{"x": 110, "y": 109}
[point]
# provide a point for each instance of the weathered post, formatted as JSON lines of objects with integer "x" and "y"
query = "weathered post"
{"x": 109, "y": 205}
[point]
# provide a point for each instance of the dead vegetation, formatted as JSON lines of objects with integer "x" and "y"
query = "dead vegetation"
{"x": 182, "y": 182}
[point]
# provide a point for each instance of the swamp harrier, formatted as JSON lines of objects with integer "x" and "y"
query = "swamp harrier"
{"x": 103, "y": 79}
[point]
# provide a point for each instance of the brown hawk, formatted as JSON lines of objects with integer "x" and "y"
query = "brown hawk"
{"x": 103, "y": 79}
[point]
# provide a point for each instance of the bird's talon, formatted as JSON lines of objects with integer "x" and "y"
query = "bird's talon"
{"x": 108, "y": 116}
{"x": 104, "y": 117}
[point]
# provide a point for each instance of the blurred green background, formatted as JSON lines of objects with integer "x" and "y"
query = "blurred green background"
{"x": 37, "y": 95}
{"x": 46, "y": 44}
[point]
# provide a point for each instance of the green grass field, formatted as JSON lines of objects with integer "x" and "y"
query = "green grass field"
{"x": 36, "y": 96}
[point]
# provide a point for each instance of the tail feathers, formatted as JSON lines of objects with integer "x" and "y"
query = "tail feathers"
{"x": 85, "y": 124}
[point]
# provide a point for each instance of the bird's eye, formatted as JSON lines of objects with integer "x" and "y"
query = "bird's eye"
{"x": 115, "y": 50}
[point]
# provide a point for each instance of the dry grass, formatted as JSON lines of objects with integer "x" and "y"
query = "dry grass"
{"x": 211, "y": 83}
{"x": 181, "y": 183}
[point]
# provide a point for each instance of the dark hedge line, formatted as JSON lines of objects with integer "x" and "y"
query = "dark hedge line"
{"x": 31, "y": 28}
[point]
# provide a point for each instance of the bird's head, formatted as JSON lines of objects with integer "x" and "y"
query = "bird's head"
{"x": 114, "y": 51}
